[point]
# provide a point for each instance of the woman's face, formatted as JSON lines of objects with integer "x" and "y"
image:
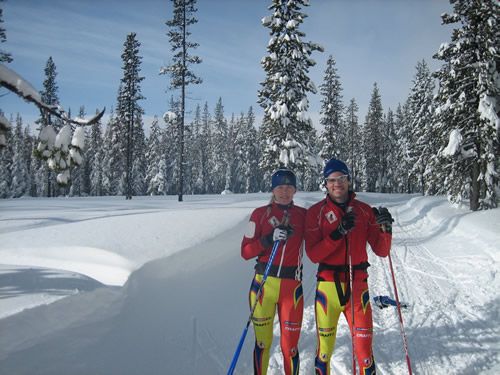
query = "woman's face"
{"x": 283, "y": 194}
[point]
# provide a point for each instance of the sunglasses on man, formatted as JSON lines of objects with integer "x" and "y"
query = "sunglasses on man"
{"x": 338, "y": 179}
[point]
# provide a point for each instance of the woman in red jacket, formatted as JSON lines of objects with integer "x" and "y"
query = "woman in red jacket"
{"x": 279, "y": 220}
{"x": 338, "y": 229}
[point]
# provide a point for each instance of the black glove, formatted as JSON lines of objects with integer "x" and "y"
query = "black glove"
{"x": 384, "y": 219}
{"x": 346, "y": 224}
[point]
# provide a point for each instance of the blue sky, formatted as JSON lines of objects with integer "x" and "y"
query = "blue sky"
{"x": 371, "y": 40}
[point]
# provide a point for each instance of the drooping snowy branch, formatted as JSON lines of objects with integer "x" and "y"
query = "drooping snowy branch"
{"x": 61, "y": 150}
{"x": 18, "y": 85}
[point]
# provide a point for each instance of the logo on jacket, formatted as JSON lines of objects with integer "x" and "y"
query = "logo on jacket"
{"x": 331, "y": 217}
{"x": 274, "y": 221}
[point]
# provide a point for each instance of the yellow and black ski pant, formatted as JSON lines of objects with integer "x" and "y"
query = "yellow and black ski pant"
{"x": 332, "y": 300}
{"x": 284, "y": 296}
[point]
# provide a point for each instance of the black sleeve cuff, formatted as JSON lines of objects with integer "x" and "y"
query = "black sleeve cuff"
{"x": 335, "y": 234}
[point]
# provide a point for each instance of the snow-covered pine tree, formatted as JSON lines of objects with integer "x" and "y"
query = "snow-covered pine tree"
{"x": 189, "y": 144}
{"x": 389, "y": 153}
{"x": 113, "y": 151}
{"x": 420, "y": 106}
{"x": 283, "y": 95}
{"x": 468, "y": 103}
{"x": 403, "y": 135}
{"x": 232, "y": 154}
{"x": 382, "y": 185}
{"x": 115, "y": 139}
{"x": 85, "y": 166}
{"x": 206, "y": 150}
{"x": 372, "y": 141}
{"x": 180, "y": 74}
{"x": 6, "y": 155}
{"x": 19, "y": 172}
{"x": 139, "y": 164}
{"x": 49, "y": 95}
{"x": 333, "y": 135}
{"x": 39, "y": 174}
{"x": 313, "y": 176}
{"x": 129, "y": 112}
{"x": 154, "y": 156}
{"x": 194, "y": 150}
{"x": 354, "y": 157}
{"x": 170, "y": 143}
{"x": 248, "y": 154}
{"x": 30, "y": 162}
{"x": 5, "y": 57}
{"x": 220, "y": 146}
{"x": 77, "y": 173}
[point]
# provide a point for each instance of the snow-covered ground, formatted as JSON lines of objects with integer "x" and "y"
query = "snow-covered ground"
{"x": 153, "y": 286}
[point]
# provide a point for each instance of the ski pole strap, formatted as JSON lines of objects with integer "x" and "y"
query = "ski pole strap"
{"x": 285, "y": 272}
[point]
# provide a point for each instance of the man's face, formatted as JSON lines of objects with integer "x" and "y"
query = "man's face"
{"x": 283, "y": 194}
{"x": 337, "y": 185}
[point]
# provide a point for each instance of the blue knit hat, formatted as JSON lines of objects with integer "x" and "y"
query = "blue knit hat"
{"x": 335, "y": 165}
{"x": 283, "y": 176}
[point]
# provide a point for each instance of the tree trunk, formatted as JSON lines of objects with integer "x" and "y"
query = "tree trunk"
{"x": 474, "y": 186}
{"x": 183, "y": 97}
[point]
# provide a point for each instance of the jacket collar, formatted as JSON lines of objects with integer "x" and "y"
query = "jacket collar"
{"x": 282, "y": 207}
{"x": 342, "y": 206}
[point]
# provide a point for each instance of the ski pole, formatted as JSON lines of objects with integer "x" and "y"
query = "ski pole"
{"x": 353, "y": 334}
{"x": 349, "y": 209}
{"x": 401, "y": 326}
{"x": 257, "y": 296}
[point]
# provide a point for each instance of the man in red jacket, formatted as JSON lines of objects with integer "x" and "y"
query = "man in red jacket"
{"x": 279, "y": 220}
{"x": 338, "y": 229}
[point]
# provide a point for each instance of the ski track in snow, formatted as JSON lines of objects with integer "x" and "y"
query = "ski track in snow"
{"x": 171, "y": 316}
{"x": 446, "y": 324}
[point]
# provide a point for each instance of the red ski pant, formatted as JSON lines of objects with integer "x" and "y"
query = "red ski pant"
{"x": 328, "y": 309}
{"x": 285, "y": 296}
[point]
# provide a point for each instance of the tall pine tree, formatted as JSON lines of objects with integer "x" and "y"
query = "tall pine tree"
{"x": 248, "y": 154}
{"x": 468, "y": 104}
{"x": 333, "y": 136}
{"x": 283, "y": 95}
{"x": 372, "y": 140}
{"x": 129, "y": 111}
{"x": 19, "y": 171}
{"x": 180, "y": 74}
{"x": 354, "y": 151}
{"x": 206, "y": 150}
{"x": 220, "y": 147}
{"x": 154, "y": 156}
{"x": 50, "y": 96}
{"x": 420, "y": 108}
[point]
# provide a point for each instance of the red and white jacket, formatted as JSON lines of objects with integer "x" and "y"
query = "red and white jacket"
{"x": 262, "y": 223}
{"x": 324, "y": 217}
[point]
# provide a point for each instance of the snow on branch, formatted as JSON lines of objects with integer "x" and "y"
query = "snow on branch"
{"x": 15, "y": 83}
{"x": 60, "y": 150}
{"x": 4, "y": 128}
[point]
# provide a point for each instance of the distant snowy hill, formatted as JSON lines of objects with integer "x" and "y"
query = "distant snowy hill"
{"x": 150, "y": 286}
